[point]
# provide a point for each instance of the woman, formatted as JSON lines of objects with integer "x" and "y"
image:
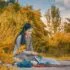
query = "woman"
{"x": 24, "y": 38}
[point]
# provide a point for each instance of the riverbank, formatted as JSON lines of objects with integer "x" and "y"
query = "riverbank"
{"x": 65, "y": 65}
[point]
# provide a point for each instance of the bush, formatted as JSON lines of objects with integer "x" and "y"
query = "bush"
{"x": 59, "y": 45}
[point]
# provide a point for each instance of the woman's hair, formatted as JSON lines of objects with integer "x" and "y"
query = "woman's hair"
{"x": 22, "y": 33}
{"x": 25, "y": 28}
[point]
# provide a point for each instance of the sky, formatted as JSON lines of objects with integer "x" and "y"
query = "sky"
{"x": 64, "y": 6}
{"x": 38, "y": 4}
{"x": 44, "y": 5}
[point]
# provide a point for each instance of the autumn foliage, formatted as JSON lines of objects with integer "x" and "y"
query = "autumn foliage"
{"x": 11, "y": 22}
{"x": 12, "y": 19}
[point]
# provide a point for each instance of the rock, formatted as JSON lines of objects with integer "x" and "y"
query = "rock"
{"x": 34, "y": 62}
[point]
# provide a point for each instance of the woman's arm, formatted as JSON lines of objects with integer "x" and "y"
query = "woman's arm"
{"x": 17, "y": 45}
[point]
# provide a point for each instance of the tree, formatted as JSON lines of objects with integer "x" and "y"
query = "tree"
{"x": 11, "y": 1}
{"x": 67, "y": 27}
{"x": 53, "y": 17}
{"x": 56, "y": 19}
{"x": 59, "y": 44}
{"x": 39, "y": 33}
{"x": 49, "y": 24}
{"x": 2, "y": 4}
{"x": 11, "y": 22}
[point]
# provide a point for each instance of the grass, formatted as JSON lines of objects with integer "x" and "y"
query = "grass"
{"x": 63, "y": 58}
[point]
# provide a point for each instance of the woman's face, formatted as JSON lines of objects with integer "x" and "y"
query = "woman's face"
{"x": 28, "y": 32}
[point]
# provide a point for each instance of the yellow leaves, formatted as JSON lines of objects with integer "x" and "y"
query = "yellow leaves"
{"x": 2, "y": 67}
{"x": 23, "y": 10}
{"x": 67, "y": 37}
{"x": 10, "y": 25}
{"x": 37, "y": 13}
{"x": 27, "y": 13}
{"x": 6, "y": 54}
{"x": 52, "y": 42}
{"x": 64, "y": 37}
{"x": 6, "y": 57}
{"x": 59, "y": 38}
{"x": 5, "y": 67}
{"x": 21, "y": 49}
